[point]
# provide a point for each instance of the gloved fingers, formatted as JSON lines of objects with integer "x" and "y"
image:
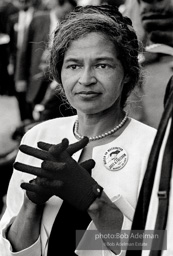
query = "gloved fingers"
{"x": 40, "y": 154}
{"x": 88, "y": 164}
{"x": 51, "y": 185}
{"x": 72, "y": 148}
{"x": 44, "y": 145}
{"x": 47, "y": 183}
{"x": 54, "y": 167}
{"x": 46, "y": 187}
{"x": 40, "y": 172}
{"x": 59, "y": 147}
{"x": 37, "y": 198}
{"x": 38, "y": 189}
{"x": 38, "y": 181}
{"x": 56, "y": 150}
{"x": 28, "y": 169}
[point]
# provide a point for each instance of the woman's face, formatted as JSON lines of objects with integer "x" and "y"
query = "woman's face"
{"x": 92, "y": 75}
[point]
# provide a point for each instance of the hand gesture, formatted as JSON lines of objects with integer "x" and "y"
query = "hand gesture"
{"x": 60, "y": 174}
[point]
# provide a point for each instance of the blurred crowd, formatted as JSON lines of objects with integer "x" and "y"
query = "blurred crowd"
{"x": 25, "y": 29}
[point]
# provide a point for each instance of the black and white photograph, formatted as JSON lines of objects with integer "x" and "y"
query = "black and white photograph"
{"x": 86, "y": 132}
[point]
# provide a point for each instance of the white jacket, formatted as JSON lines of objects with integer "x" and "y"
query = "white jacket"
{"x": 121, "y": 186}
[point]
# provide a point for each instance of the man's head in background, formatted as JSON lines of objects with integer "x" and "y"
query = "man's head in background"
{"x": 24, "y": 4}
{"x": 157, "y": 20}
{"x": 62, "y": 6}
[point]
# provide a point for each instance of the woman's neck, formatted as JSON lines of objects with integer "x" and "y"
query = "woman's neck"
{"x": 97, "y": 124}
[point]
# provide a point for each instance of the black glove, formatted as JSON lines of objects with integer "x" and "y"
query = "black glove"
{"x": 42, "y": 195}
{"x": 60, "y": 175}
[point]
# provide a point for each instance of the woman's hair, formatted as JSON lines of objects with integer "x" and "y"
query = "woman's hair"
{"x": 103, "y": 19}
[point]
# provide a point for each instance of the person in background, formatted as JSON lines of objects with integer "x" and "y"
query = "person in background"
{"x": 84, "y": 171}
{"x": 117, "y": 3}
{"x": 157, "y": 60}
{"x": 88, "y": 2}
{"x": 18, "y": 26}
{"x": 99, "y": 2}
{"x": 159, "y": 214}
{"x": 7, "y": 8}
{"x": 31, "y": 77}
{"x": 130, "y": 9}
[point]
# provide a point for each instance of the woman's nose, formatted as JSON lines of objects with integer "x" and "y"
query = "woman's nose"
{"x": 87, "y": 77}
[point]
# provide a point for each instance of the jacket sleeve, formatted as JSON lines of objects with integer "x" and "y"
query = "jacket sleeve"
{"x": 14, "y": 201}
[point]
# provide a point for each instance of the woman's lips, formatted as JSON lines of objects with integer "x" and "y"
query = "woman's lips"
{"x": 88, "y": 94}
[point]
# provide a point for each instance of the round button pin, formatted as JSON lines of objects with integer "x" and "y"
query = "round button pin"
{"x": 115, "y": 158}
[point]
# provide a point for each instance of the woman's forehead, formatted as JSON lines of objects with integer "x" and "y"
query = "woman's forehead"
{"x": 95, "y": 41}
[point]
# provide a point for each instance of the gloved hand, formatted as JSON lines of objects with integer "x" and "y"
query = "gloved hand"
{"x": 60, "y": 174}
{"x": 42, "y": 195}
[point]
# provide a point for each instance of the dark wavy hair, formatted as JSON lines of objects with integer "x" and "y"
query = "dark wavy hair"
{"x": 104, "y": 19}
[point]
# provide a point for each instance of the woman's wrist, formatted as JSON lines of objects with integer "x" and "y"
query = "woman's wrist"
{"x": 98, "y": 204}
{"x": 25, "y": 229}
{"x": 31, "y": 207}
{"x": 103, "y": 210}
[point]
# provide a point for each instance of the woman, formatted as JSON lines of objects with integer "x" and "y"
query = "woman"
{"x": 94, "y": 57}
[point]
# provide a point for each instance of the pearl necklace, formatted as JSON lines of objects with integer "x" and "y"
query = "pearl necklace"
{"x": 101, "y": 136}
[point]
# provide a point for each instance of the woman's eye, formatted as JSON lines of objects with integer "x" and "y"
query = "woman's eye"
{"x": 73, "y": 67}
{"x": 102, "y": 66}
